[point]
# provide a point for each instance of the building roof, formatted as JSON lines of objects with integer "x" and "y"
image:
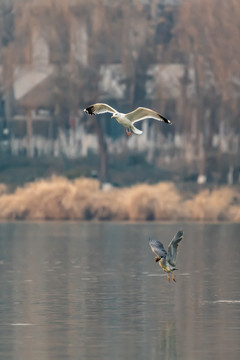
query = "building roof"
{"x": 33, "y": 86}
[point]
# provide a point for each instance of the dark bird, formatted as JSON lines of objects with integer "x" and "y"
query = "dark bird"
{"x": 167, "y": 260}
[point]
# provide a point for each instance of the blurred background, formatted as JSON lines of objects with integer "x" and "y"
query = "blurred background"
{"x": 91, "y": 290}
{"x": 180, "y": 58}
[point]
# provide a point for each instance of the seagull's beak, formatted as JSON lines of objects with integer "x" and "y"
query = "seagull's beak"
{"x": 112, "y": 116}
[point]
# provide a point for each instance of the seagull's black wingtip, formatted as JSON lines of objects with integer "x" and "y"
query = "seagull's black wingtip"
{"x": 165, "y": 120}
{"x": 89, "y": 110}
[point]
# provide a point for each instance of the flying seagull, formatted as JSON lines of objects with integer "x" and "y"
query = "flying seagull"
{"x": 127, "y": 120}
{"x": 167, "y": 260}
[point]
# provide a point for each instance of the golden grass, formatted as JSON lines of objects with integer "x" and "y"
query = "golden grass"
{"x": 213, "y": 205}
{"x": 153, "y": 202}
{"x": 82, "y": 199}
{"x": 3, "y": 189}
{"x": 234, "y": 214}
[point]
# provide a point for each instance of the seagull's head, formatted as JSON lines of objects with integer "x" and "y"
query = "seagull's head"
{"x": 114, "y": 115}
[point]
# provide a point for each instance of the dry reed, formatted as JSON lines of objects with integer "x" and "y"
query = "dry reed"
{"x": 82, "y": 199}
{"x": 3, "y": 189}
{"x": 213, "y": 205}
{"x": 154, "y": 202}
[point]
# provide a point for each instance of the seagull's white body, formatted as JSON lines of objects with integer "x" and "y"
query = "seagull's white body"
{"x": 121, "y": 119}
{"x": 124, "y": 121}
{"x": 127, "y": 120}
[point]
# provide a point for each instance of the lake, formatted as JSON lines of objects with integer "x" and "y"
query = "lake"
{"x": 73, "y": 290}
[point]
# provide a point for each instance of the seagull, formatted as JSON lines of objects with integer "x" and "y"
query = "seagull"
{"x": 127, "y": 120}
{"x": 167, "y": 260}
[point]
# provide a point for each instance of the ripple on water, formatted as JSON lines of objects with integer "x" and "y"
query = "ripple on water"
{"x": 223, "y": 301}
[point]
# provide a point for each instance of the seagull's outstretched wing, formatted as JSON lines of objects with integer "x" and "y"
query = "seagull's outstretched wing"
{"x": 99, "y": 108}
{"x": 143, "y": 113}
{"x": 158, "y": 248}
{"x": 172, "y": 248}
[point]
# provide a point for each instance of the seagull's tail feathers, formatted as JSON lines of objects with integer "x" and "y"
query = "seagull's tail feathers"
{"x": 136, "y": 131}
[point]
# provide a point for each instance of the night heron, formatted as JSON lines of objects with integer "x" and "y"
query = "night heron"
{"x": 167, "y": 260}
{"x": 127, "y": 120}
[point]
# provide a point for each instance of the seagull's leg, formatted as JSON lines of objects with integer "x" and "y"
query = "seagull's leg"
{"x": 168, "y": 277}
{"x": 128, "y": 132}
{"x": 173, "y": 277}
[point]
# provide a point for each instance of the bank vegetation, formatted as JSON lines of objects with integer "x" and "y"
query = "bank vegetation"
{"x": 58, "y": 198}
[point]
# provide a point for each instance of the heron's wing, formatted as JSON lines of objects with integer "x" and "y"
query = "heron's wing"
{"x": 99, "y": 108}
{"x": 172, "y": 248}
{"x": 158, "y": 248}
{"x": 143, "y": 113}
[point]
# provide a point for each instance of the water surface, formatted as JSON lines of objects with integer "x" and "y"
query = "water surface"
{"x": 93, "y": 291}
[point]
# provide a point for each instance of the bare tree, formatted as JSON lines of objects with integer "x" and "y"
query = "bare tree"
{"x": 206, "y": 35}
{"x": 6, "y": 52}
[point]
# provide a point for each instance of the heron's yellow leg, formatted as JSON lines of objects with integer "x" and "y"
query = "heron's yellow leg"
{"x": 173, "y": 277}
{"x": 168, "y": 277}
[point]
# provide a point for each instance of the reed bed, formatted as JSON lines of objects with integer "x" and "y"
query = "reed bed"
{"x": 58, "y": 198}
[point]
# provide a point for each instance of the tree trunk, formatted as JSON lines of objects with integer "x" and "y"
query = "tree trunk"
{"x": 103, "y": 153}
{"x": 29, "y": 133}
